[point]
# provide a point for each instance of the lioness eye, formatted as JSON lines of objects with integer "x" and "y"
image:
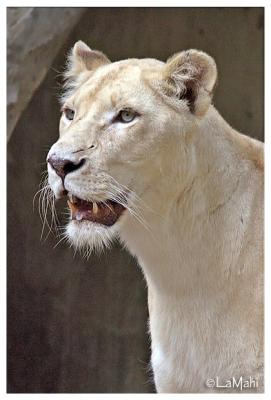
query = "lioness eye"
{"x": 126, "y": 116}
{"x": 69, "y": 113}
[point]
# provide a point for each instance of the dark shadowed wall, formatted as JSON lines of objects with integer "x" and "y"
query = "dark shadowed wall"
{"x": 81, "y": 326}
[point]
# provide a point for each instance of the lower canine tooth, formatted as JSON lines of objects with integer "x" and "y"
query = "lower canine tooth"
{"x": 95, "y": 208}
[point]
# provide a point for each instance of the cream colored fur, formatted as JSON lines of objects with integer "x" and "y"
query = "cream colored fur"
{"x": 195, "y": 215}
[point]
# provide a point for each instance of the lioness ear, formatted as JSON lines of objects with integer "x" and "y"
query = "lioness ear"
{"x": 191, "y": 76}
{"x": 82, "y": 59}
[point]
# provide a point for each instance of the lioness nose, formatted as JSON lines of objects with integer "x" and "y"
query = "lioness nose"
{"x": 64, "y": 166}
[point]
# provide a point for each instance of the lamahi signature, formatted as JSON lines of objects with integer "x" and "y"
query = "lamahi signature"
{"x": 233, "y": 383}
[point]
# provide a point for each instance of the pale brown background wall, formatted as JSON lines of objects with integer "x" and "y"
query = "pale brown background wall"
{"x": 77, "y": 325}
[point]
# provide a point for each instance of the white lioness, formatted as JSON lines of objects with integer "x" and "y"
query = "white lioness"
{"x": 144, "y": 156}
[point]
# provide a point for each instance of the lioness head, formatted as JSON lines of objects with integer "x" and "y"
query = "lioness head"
{"x": 121, "y": 126}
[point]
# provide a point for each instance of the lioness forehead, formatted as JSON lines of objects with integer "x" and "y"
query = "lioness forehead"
{"x": 118, "y": 77}
{"x": 130, "y": 67}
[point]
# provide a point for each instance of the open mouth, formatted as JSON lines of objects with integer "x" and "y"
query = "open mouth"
{"x": 104, "y": 213}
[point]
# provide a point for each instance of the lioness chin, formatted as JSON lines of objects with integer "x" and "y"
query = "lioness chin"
{"x": 145, "y": 157}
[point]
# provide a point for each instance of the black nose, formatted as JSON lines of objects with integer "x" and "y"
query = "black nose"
{"x": 63, "y": 166}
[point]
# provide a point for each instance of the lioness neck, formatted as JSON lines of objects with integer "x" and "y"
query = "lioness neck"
{"x": 194, "y": 248}
{"x": 191, "y": 214}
